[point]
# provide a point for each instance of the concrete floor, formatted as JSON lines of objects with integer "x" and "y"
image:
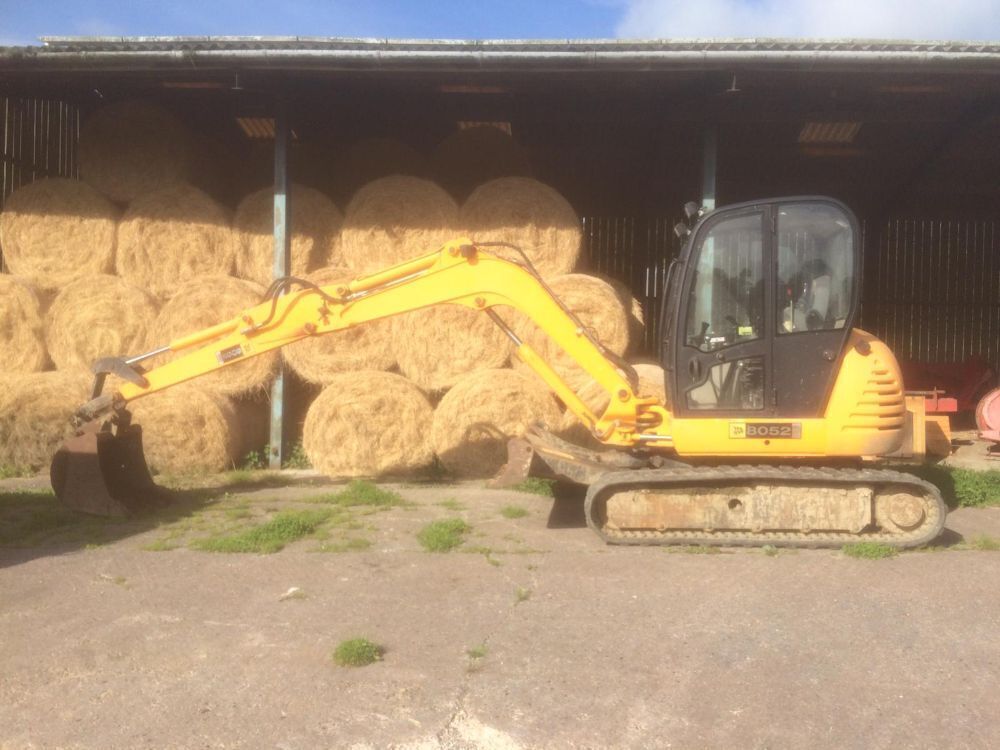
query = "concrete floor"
{"x": 114, "y": 646}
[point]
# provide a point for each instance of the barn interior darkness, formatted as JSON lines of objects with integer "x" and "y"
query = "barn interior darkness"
{"x": 914, "y": 153}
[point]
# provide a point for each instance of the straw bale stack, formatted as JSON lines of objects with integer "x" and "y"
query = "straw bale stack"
{"x": 314, "y": 222}
{"x": 394, "y": 219}
{"x": 651, "y": 383}
{"x": 55, "y": 230}
{"x": 476, "y": 418}
{"x": 437, "y": 346}
{"x": 171, "y": 236}
{"x": 98, "y": 316}
{"x": 188, "y": 429}
{"x": 135, "y": 147}
{"x": 633, "y": 307}
{"x": 368, "y": 423}
{"x": 203, "y": 303}
{"x": 472, "y": 156}
{"x": 35, "y": 411}
{"x": 530, "y": 215}
{"x": 372, "y": 158}
{"x": 22, "y": 342}
{"x": 318, "y": 359}
{"x": 599, "y": 309}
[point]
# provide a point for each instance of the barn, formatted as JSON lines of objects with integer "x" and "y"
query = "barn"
{"x": 907, "y": 134}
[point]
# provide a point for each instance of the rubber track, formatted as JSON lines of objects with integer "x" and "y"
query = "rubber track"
{"x": 721, "y": 476}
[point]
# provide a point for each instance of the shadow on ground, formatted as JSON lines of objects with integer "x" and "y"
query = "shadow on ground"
{"x": 33, "y": 523}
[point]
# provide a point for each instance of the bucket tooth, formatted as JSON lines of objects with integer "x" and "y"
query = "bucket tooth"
{"x": 102, "y": 471}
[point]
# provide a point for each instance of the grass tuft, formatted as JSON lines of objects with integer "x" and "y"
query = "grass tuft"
{"x": 477, "y": 652}
{"x": 962, "y": 487}
{"x": 770, "y": 550}
{"x": 513, "y": 511}
{"x": 985, "y": 543}
{"x": 869, "y": 550}
{"x": 357, "y": 652}
{"x": 7, "y": 471}
{"x": 536, "y": 486}
{"x": 270, "y": 536}
{"x": 444, "y": 535}
{"x": 361, "y": 493}
{"x": 521, "y": 594}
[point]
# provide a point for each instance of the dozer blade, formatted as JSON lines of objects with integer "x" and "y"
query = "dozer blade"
{"x": 104, "y": 473}
{"x": 539, "y": 453}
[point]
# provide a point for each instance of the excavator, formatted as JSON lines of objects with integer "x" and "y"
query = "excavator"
{"x": 777, "y": 406}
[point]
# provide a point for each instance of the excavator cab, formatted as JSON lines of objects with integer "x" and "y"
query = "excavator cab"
{"x": 759, "y": 307}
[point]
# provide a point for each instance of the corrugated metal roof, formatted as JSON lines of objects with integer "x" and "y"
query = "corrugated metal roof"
{"x": 332, "y": 53}
{"x": 122, "y": 44}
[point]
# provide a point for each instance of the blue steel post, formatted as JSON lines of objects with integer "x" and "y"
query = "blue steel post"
{"x": 709, "y": 167}
{"x": 282, "y": 263}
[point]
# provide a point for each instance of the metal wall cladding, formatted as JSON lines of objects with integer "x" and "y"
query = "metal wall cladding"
{"x": 931, "y": 287}
{"x": 38, "y": 138}
{"x": 638, "y": 253}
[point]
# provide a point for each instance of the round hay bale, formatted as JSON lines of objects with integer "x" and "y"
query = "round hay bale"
{"x": 203, "y": 303}
{"x": 134, "y": 147}
{"x": 652, "y": 380}
{"x": 394, "y": 219}
{"x": 476, "y": 418}
{"x": 372, "y": 158}
{"x": 315, "y": 228}
{"x": 98, "y": 316}
{"x": 22, "y": 343}
{"x": 318, "y": 359}
{"x": 651, "y": 383}
{"x": 600, "y": 310}
{"x": 188, "y": 430}
{"x": 171, "y": 236}
{"x": 530, "y": 215}
{"x": 437, "y": 346}
{"x": 368, "y": 423}
{"x": 633, "y": 308}
{"x": 35, "y": 412}
{"x": 472, "y": 156}
{"x": 55, "y": 230}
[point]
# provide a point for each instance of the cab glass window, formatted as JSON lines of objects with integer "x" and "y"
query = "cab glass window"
{"x": 726, "y": 305}
{"x": 815, "y": 266}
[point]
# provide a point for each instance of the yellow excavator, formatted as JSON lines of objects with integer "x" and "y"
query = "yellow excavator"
{"x": 775, "y": 402}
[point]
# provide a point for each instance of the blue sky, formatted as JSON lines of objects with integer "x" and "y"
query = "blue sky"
{"x": 22, "y": 21}
{"x": 25, "y": 20}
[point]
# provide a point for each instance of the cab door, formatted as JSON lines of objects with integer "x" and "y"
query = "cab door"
{"x": 721, "y": 341}
{"x": 765, "y": 299}
{"x": 816, "y": 296}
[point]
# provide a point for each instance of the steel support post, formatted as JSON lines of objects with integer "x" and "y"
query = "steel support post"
{"x": 282, "y": 264}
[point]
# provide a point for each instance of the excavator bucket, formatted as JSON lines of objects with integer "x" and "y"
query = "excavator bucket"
{"x": 102, "y": 471}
